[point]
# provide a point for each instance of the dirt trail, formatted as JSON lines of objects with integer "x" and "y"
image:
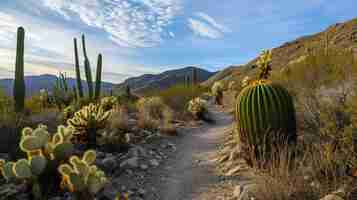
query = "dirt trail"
{"x": 189, "y": 171}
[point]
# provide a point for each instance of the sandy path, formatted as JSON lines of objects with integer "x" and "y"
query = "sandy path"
{"x": 189, "y": 171}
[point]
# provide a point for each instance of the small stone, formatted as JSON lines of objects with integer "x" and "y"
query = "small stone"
{"x": 237, "y": 191}
{"x": 249, "y": 192}
{"x": 332, "y": 197}
{"x": 109, "y": 163}
{"x": 141, "y": 192}
{"x": 130, "y": 163}
{"x": 154, "y": 162}
{"x": 144, "y": 167}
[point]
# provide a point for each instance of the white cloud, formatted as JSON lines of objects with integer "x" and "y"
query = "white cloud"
{"x": 129, "y": 23}
{"x": 207, "y": 27}
{"x": 213, "y": 22}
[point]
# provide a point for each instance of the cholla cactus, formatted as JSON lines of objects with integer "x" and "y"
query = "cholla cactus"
{"x": 44, "y": 153}
{"x": 68, "y": 112}
{"x": 87, "y": 122}
{"x": 197, "y": 107}
{"x": 81, "y": 177}
{"x": 108, "y": 103}
{"x": 217, "y": 92}
{"x": 151, "y": 105}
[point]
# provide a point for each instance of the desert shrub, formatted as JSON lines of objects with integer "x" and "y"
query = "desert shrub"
{"x": 5, "y": 103}
{"x": 178, "y": 96}
{"x": 153, "y": 113}
{"x": 324, "y": 87}
{"x": 119, "y": 119}
{"x": 166, "y": 126}
{"x": 33, "y": 104}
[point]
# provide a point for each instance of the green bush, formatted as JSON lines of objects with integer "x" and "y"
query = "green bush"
{"x": 178, "y": 96}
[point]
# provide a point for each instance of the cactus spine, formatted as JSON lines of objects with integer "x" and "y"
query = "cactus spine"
{"x": 98, "y": 79}
{"x": 78, "y": 72}
{"x": 265, "y": 115}
{"x": 87, "y": 69}
{"x": 19, "y": 84}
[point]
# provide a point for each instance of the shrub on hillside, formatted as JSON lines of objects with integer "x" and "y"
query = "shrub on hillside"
{"x": 178, "y": 96}
{"x": 324, "y": 87}
{"x": 150, "y": 112}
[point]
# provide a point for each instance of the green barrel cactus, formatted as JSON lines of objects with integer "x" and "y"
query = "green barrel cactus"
{"x": 87, "y": 122}
{"x": 265, "y": 115}
{"x": 19, "y": 83}
{"x": 81, "y": 177}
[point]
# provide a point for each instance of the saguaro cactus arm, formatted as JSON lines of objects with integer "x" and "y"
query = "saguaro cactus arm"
{"x": 78, "y": 73}
{"x": 98, "y": 80}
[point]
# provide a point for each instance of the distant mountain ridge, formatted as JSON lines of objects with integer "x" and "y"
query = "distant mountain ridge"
{"x": 46, "y": 81}
{"x": 163, "y": 80}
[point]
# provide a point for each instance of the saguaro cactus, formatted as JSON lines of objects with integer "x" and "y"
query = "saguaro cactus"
{"x": 194, "y": 76}
{"x": 87, "y": 69}
{"x": 98, "y": 80}
{"x": 78, "y": 72}
{"x": 19, "y": 84}
{"x": 265, "y": 115}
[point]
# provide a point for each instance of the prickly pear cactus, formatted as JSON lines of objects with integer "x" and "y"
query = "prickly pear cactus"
{"x": 87, "y": 122}
{"x": 44, "y": 153}
{"x": 265, "y": 114}
{"x": 82, "y": 177}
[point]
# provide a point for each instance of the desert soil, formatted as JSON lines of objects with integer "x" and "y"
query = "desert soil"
{"x": 190, "y": 172}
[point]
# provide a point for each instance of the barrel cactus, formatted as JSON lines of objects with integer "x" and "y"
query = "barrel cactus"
{"x": 265, "y": 115}
{"x": 87, "y": 122}
{"x": 81, "y": 177}
{"x": 44, "y": 154}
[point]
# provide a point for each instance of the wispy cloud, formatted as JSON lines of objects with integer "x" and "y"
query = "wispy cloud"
{"x": 129, "y": 23}
{"x": 206, "y": 26}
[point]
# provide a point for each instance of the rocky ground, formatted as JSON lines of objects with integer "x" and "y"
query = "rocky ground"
{"x": 163, "y": 167}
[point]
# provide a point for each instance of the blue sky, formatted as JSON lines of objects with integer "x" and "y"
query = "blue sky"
{"x": 149, "y": 36}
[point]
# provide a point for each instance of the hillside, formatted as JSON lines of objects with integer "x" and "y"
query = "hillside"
{"x": 35, "y": 83}
{"x": 337, "y": 36}
{"x": 163, "y": 80}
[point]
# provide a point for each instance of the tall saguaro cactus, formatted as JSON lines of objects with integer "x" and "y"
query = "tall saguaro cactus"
{"x": 78, "y": 72}
{"x": 19, "y": 84}
{"x": 87, "y": 69}
{"x": 98, "y": 79}
{"x": 194, "y": 76}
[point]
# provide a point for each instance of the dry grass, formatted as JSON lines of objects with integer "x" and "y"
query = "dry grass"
{"x": 153, "y": 114}
{"x": 119, "y": 119}
{"x": 324, "y": 89}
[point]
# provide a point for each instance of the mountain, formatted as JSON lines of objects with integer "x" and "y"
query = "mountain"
{"x": 338, "y": 36}
{"x": 35, "y": 83}
{"x": 163, "y": 80}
